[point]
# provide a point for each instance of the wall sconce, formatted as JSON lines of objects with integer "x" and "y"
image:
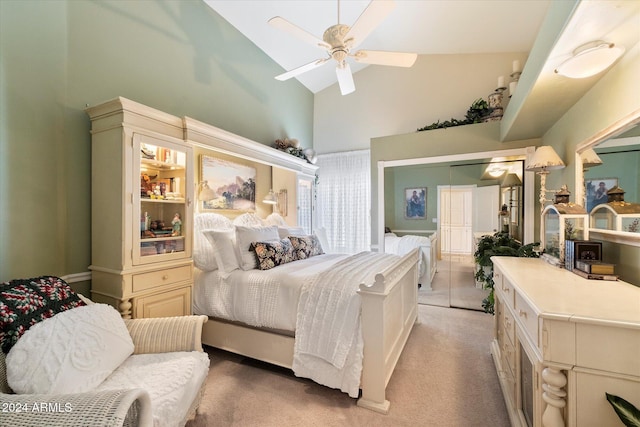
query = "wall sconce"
{"x": 206, "y": 193}
{"x": 544, "y": 160}
{"x": 590, "y": 59}
{"x": 279, "y": 200}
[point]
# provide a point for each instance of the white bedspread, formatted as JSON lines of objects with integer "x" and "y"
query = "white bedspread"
{"x": 258, "y": 298}
{"x": 328, "y": 345}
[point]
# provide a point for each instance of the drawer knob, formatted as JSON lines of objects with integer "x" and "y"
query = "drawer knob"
{"x": 506, "y": 290}
{"x": 522, "y": 313}
{"x": 165, "y": 277}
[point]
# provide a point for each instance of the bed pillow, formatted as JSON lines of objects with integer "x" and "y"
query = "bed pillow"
{"x": 223, "y": 244}
{"x": 306, "y": 246}
{"x": 273, "y": 253}
{"x": 203, "y": 253}
{"x": 25, "y": 302}
{"x": 71, "y": 352}
{"x": 245, "y": 236}
{"x": 249, "y": 219}
{"x": 290, "y": 231}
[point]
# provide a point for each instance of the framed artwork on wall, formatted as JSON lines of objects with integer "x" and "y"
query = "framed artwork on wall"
{"x": 415, "y": 203}
{"x": 233, "y": 184}
{"x": 597, "y": 190}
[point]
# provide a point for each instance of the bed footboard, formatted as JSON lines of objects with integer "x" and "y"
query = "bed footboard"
{"x": 389, "y": 311}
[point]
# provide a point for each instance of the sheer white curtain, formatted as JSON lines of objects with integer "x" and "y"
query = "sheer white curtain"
{"x": 344, "y": 200}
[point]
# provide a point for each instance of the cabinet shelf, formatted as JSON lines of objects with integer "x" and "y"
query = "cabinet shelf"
{"x": 160, "y": 239}
{"x": 175, "y": 201}
{"x": 157, "y": 164}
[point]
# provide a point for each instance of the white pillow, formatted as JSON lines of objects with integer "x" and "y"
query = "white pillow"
{"x": 203, "y": 253}
{"x": 321, "y": 233}
{"x": 283, "y": 232}
{"x": 247, "y": 235}
{"x": 71, "y": 352}
{"x": 248, "y": 219}
{"x": 223, "y": 244}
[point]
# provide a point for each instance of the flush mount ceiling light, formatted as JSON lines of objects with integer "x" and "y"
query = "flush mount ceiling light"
{"x": 590, "y": 59}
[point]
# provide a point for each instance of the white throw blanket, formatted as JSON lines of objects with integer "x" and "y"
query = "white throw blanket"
{"x": 329, "y": 347}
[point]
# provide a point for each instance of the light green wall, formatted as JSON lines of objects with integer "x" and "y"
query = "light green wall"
{"x": 59, "y": 56}
{"x": 397, "y": 179}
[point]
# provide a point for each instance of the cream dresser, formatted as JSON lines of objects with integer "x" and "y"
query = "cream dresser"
{"x": 561, "y": 342}
{"x": 141, "y": 190}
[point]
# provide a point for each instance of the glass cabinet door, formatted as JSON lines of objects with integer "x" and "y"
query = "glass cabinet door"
{"x": 162, "y": 194}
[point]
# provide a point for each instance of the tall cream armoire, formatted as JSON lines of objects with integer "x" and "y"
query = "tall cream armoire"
{"x": 142, "y": 192}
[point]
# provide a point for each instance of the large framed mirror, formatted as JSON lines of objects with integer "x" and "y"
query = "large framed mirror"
{"x": 618, "y": 147}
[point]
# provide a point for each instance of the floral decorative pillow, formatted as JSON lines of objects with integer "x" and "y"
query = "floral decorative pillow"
{"x": 273, "y": 253}
{"x": 306, "y": 246}
{"x": 25, "y": 302}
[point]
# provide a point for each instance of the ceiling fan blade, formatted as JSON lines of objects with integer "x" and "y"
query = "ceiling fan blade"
{"x": 283, "y": 24}
{"x": 345, "y": 79}
{"x": 378, "y": 57}
{"x": 373, "y": 15}
{"x": 302, "y": 69}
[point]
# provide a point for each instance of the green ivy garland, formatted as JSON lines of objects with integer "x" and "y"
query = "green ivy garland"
{"x": 478, "y": 111}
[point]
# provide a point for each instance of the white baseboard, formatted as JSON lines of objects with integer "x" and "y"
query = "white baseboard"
{"x": 77, "y": 277}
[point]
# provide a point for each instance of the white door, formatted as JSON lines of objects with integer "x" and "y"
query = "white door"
{"x": 485, "y": 209}
{"x": 456, "y": 219}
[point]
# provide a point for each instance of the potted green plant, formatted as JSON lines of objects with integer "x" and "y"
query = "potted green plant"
{"x": 498, "y": 244}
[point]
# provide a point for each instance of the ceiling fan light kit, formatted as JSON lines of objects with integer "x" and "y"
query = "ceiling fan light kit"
{"x": 590, "y": 59}
{"x": 339, "y": 40}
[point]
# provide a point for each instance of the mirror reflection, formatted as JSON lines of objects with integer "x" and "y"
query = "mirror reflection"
{"x": 460, "y": 202}
{"x": 612, "y": 188}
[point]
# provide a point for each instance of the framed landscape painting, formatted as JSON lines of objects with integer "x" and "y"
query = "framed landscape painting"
{"x": 234, "y": 184}
{"x": 415, "y": 203}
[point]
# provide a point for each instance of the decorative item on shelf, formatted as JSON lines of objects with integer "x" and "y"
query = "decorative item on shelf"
{"x": 589, "y": 59}
{"x": 476, "y": 113}
{"x": 495, "y": 102}
{"x": 292, "y": 146}
{"x": 515, "y": 77}
{"x": 176, "y": 222}
{"x": 544, "y": 160}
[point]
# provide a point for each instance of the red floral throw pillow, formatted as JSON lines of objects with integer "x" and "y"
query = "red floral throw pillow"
{"x": 25, "y": 302}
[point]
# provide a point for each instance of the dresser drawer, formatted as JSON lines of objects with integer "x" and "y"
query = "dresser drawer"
{"x": 153, "y": 279}
{"x": 527, "y": 316}
{"x": 504, "y": 287}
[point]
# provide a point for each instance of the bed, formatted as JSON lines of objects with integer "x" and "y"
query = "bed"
{"x": 286, "y": 313}
{"x": 427, "y": 265}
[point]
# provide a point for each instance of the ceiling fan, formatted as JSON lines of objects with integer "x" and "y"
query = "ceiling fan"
{"x": 339, "y": 41}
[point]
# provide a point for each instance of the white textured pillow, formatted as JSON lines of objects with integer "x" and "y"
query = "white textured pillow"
{"x": 247, "y": 235}
{"x": 203, "y": 253}
{"x": 248, "y": 219}
{"x": 71, "y": 352}
{"x": 223, "y": 244}
{"x": 283, "y": 232}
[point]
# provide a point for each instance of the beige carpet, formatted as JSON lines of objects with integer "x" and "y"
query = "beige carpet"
{"x": 445, "y": 377}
